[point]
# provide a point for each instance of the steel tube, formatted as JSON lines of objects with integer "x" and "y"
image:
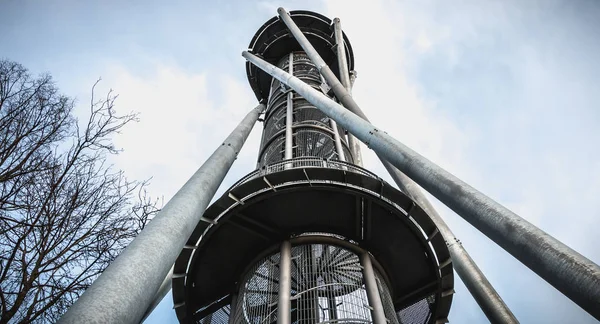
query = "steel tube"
{"x": 337, "y": 140}
{"x": 574, "y": 275}
{"x": 320, "y": 64}
{"x": 341, "y": 54}
{"x": 232, "y": 308}
{"x": 480, "y": 288}
{"x": 372, "y": 289}
{"x": 164, "y": 288}
{"x": 352, "y": 141}
{"x": 289, "y": 115}
{"x": 285, "y": 284}
{"x": 484, "y": 293}
{"x": 127, "y": 287}
{"x": 346, "y": 82}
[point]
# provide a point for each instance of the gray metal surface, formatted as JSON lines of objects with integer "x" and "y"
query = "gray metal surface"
{"x": 385, "y": 221}
{"x": 338, "y": 142}
{"x": 289, "y": 115}
{"x": 293, "y": 127}
{"x": 345, "y": 79}
{"x": 568, "y": 271}
{"x": 128, "y": 286}
{"x": 272, "y": 41}
{"x": 481, "y": 289}
{"x": 285, "y": 283}
{"x": 165, "y": 287}
{"x": 372, "y": 289}
{"x": 354, "y": 145}
{"x": 352, "y": 141}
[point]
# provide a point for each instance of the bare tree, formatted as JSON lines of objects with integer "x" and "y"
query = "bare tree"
{"x": 65, "y": 213}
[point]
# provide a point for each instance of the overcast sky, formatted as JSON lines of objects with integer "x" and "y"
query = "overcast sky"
{"x": 503, "y": 94}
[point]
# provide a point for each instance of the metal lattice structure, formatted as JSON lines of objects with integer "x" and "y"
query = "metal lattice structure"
{"x": 311, "y": 236}
{"x": 326, "y": 286}
{"x": 313, "y": 134}
{"x": 345, "y": 273}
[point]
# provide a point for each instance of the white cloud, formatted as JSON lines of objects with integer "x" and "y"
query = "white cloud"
{"x": 181, "y": 122}
{"x": 505, "y": 151}
{"x": 508, "y": 153}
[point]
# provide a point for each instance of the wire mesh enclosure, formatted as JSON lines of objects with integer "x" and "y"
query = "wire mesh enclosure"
{"x": 311, "y": 130}
{"x": 327, "y": 286}
{"x": 246, "y": 261}
{"x": 220, "y": 316}
{"x": 417, "y": 313}
{"x": 257, "y": 300}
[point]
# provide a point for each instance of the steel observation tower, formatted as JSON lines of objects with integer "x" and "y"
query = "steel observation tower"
{"x": 311, "y": 236}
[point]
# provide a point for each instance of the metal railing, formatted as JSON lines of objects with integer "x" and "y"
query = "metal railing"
{"x": 304, "y": 162}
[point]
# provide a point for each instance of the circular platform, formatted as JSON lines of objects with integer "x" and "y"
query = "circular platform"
{"x": 274, "y": 203}
{"x": 273, "y": 40}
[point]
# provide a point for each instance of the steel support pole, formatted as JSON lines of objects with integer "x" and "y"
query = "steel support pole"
{"x": 127, "y": 287}
{"x": 352, "y": 79}
{"x": 372, "y": 289}
{"x": 337, "y": 140}
{"x": 164, "y": 288}
{"x": 345, "y": 79}
{"x": 320, "y": 64}
{"x": 341, "y": 54}
{"x": 484, "y": 293}
{"x": 289, "y": 115}
{"x": 574, "y": 275}
{"x": 352, "y": 141}
{"x": 285, "y": 284}
{"x": 233, "y": 308}
{"x": 480, "y": 288}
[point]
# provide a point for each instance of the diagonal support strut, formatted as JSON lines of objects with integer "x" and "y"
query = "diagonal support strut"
{"x": 571, "y": 273}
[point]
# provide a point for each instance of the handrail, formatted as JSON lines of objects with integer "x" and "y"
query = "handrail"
{"x": 303, "y": 162}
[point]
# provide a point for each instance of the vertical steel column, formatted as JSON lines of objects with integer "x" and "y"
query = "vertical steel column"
{"x": 372, "y": 290}
{"x": 331, "y": 303}
{"x": 352, "y": 141}
{"x": 285, "y": 283}
{"x": 341, "y": 53}
{"x": 571, "y": 273}
{"x": 127, "y": 287}
{"x": 232, "y": 308}
{"x": 340, "y": 91}
{"x": 345, "y": 79}
{"x": 289, "y": 116}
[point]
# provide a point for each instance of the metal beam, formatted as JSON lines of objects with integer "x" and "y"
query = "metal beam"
{"x": 337, "y": 140}
{"x": 289, "y": 115}
{"x": 128, "y": 286}
{"x": 574, "y": 275}
{"x": 372, "y": 289}
{"x": 285, "y": 284}
{"x": 353, "y": 143}
{"x": 165, "y": 287}
{"x": 319, "y": 63}
{"x": 483, "y": 292}
{"x": 480, "y": 288}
